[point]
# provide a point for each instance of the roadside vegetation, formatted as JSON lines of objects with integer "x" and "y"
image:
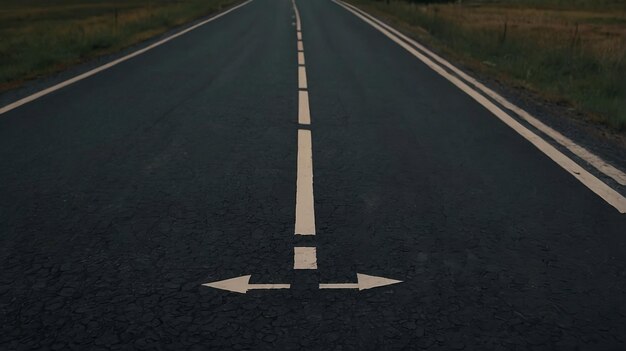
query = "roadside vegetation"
{"x": 38, "y": 37}
{"x": 569, "y": 51}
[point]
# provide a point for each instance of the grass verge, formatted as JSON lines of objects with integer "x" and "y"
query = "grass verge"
{"x": 39, "y": 37}
{"x": 568, "y": 52}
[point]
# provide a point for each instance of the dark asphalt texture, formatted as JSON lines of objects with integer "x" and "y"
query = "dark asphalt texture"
{"x": 122, "y": 193}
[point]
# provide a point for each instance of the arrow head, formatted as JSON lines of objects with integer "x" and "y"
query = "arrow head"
{"x": 370, "y": 281}
{"x": 238, "y": 284}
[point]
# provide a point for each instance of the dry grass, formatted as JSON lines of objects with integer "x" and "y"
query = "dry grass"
{"x": 598, "y": 33}
{"x": 38, "y": 37}
{"x": 575, "y": 53}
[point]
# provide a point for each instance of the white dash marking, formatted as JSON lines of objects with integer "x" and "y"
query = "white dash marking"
{"x": 302, "y": 77}
{"x": 299, "y": 35}
{"x": 304, "y": 114}
{"x": 300, "y": 46}
{"x": 301, "y": 58}
{"x": 304, "y": 258}
{"x": 305, "y": 210}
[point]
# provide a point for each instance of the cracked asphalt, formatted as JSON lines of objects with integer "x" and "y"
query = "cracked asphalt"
{"x": 122, "y": 193}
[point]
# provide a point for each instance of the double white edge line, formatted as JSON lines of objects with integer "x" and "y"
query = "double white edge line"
{"x": 304, "y": 257}
{"x": 461, "y": 80}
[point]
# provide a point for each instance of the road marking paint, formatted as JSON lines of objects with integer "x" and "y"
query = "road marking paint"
{"x": 300, "y": 58}
{"x": 305, "y": 210}
{"x": 339, "y": 286}
{"x": 304, "y": 258}
{"x": 299, "y": 35}
{"x": 607, "y": 193}
{"x": 304, "y": 114}
{"x": 301, "y": 77}
{"x": 242, "y": 285}
{"x": 295, "y": 9}
{"x": 594, "y": 160}
{"x": 364, "y": 282}
{"x": 106, "y": 66}
{"x": 300, "y": 46}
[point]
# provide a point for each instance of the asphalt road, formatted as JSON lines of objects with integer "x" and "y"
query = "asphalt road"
{"x": 122, "y": 193}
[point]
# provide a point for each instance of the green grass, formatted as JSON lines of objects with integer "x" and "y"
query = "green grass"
{"x": 569, "y": 53}
{"x": 38, "y": 37}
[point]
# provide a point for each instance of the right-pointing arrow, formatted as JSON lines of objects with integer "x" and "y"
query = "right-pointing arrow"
{"x": 364, "y": 282}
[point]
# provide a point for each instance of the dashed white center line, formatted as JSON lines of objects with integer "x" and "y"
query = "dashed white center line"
{"x": 304, "y": 258}
{"x": 305, "y": 210}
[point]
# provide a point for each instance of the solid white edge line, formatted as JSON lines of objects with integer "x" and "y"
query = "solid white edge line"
{"x": 594, "y": 160}
{"x": 305, "y": 210}
{"x": 304, "y": 257}
{"x": 90, "y": 73}
{"x": 607, "y": 193}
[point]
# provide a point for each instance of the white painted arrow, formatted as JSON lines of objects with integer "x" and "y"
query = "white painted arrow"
{"x": 364, "y": 282}
{"x": 242, "y": 285}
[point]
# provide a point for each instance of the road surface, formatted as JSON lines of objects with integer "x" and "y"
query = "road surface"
{"x": 124, "y": 192}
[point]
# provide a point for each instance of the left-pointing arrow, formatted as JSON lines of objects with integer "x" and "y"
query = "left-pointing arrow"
{"x": 242, "y": 285}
